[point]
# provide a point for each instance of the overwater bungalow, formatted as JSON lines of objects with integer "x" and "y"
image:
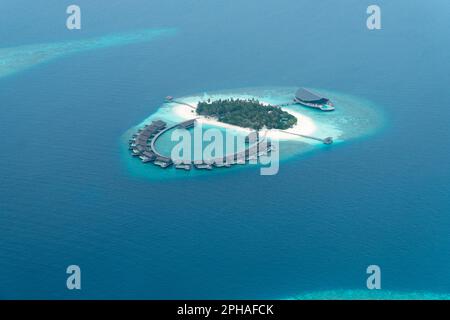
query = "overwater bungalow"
{"x": 183, "y": 166}
{"x": 187, "y": 124}
{"x": 163, "y": 162}
{"x": 200, "y": 164}
{"x": 221, "y": 164}
{"x": 159, "y": 124}
{"x": 140, "y": 140}
{"x": 148, "y": 156}
{"x": 145, "y": 159}
{"x": 203, "y": 166}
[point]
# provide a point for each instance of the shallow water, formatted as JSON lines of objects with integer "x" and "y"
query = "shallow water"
{"x": 17, "y": 59}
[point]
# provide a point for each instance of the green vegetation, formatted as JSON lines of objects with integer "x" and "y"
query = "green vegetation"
{"x": 247, "y": 114}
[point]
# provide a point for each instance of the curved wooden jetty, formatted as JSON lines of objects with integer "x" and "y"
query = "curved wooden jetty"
{"x": 144, "y": 141}
{"x": 185, "y": 125}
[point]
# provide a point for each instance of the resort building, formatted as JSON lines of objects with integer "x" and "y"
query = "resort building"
{"x": 312, "y": 100}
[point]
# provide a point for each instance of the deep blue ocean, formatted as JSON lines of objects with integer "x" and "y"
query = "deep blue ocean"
{"x": 66, "y": 196}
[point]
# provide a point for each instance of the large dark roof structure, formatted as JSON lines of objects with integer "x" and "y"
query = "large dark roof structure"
{"x": 308, "y": 96}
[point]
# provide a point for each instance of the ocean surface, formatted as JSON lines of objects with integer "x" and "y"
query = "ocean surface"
{"x": 67, "y": 195}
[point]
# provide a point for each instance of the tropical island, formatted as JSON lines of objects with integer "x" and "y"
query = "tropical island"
{"x": 266, "y": 119}
{"x": 247, "y": 114}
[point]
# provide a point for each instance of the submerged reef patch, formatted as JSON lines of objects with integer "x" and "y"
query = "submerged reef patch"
{"x": 370, "y": 295}
{"x": 16, "y": 59}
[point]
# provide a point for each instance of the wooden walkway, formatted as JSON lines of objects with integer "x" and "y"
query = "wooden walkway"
{"x": 185, "y": 124}
{"x": 262, "y": 146}
{"x": 328, "y": 140}
{"x": 183, "y": 103}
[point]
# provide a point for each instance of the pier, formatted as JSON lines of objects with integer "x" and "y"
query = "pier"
{"x": 327, "y": 140}
{"x": 260, "y": 148}
{"x": 170, "y": 99}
